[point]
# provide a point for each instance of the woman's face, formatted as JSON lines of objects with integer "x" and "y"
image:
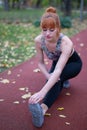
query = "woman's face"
{"x": 50, "y": 34}
{"x": 49, "y": 29}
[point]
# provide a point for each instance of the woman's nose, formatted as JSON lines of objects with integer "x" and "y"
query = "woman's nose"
{"x": 48, "y": 32}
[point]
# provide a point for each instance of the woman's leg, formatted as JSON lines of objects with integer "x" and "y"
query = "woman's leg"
{"x": 72, "y": 69}
{"x": 54, "y": 92}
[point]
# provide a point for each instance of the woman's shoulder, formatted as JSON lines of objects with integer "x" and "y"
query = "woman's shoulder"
{"x": 65, "y": 38}
{"x": 38, "y": 39}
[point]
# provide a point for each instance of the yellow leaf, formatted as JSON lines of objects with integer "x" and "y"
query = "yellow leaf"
{"x": 47, "y": 114}
{"x": 60, "y": 108}
{"x": 18, "y": 75}
{"x": 81, "y": 44}
{"x": 22, "y": 89}
{"x": 25, "y": 96}
{"x": 5, "y": 81}
{"x": 16, "y": 102}
{"x": 63, "y": 116}
{"x": 68, "y": 94}
{"x": 14, "y": 82}
{"x": 1, "y": 100}
{"x": 9, "y": 72}
{"x": 36, "y": 70}
{"x": 67, "y": 123}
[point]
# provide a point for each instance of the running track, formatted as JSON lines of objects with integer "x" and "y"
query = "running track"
{"x": 19, "y": 80}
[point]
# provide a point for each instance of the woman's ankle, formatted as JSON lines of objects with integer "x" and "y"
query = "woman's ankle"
{"x": 44, "y": 107}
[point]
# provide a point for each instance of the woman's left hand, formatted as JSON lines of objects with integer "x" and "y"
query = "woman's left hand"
{"x": 37, "y": 97}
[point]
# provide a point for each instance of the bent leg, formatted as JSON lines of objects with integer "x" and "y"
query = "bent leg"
{"x": 72, "y": 69}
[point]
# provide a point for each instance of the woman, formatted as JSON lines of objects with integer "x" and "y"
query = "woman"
{"x": 66, "y": 64}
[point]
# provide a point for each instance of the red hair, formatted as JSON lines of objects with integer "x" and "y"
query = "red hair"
{"x": 50, "y": 19}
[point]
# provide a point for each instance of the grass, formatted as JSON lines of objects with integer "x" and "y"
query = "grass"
{"x": 17, "y": 35}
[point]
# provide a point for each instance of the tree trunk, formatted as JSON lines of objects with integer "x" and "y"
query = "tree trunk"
{"x": 81, "y": 9}
{"x": 67, "y": 4}
{"x": 16, "y": 3}
{"x": 6, "y": 5}
{"x": 38, "y": 3}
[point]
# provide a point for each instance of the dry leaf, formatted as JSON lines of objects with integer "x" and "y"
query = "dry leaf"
{"x": 63, "y": 116}
{"x": 81, "y": 44}
{"x": 68, "y": 94}
{"x": 9, "y": 72}
{"x": 36, "y": 70}
{"x": 5, "y": 81}
{"x": 22, "y": 89}
{"x": 1, "y": 100}
{"x": 14, "y": 82}
{"x": 25, "y": 96}
{"x": 18, "y": 75}
{"x": 67, "y": 123}
{"x": 16, "y": 102}
{"x": 47, "y": 114}
{"x": 60, "y": 108}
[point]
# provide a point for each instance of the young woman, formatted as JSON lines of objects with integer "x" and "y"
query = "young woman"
{"x": 66, "y": 64}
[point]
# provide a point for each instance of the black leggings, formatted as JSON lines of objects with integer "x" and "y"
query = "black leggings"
{"x": 72, "y": 69}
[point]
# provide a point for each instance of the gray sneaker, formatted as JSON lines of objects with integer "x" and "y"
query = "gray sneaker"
{"x": 66, "y": 84}
{"x": 37, "y": 114}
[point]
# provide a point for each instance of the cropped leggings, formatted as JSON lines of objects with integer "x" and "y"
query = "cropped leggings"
{"x": 72, "y": 69}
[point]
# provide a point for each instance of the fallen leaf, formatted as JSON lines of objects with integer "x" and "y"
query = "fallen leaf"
{"x": 5, "y": 81}
{"x": 9, "y": 72}
{"x": 14, "y": 82}
{"x": 47, "y": 114}
{"x": 68, "y": 94}
{"x": 16, "y": 102}
{"x": 25, "y": 96}
{"x": 60, "y": 108}
{"x": 36, "y": 70}
{"x": 22, "y": 89}
{"x": 63, "y": 116}
{"x": 1, "y": 100}
{"x": 81, "y": 44}
{"x": 18, "y": 75}
{"x": 67, "y": 123}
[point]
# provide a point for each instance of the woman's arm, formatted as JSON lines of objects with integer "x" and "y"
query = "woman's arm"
{"x": 40, "y": 55}
{"x": 66, "y": 48}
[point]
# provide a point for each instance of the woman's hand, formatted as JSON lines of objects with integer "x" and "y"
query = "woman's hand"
{"x": 37, "y": 97}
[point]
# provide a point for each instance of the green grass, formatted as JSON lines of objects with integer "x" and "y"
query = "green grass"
{"x": 17, "y": 35}
{"x": 24, "y": 16}
{"x": 16, "y": 44}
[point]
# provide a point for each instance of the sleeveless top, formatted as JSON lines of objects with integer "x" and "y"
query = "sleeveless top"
{"x": 52, "y": 55}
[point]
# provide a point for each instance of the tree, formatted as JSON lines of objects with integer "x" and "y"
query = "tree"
{"x": 38, "y": 3}
{"x": 67, "y": 7}
{"x": 6, "y": 5}
{"x": 81, "y": 10}
{"x": 16, "y": 3}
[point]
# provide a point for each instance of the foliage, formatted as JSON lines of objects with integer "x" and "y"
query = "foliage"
{"x": 16, "y": 44}
{"x": 65, "y": 22}
{"x": 17, "y": 35}
{"x": 37, "y": 23}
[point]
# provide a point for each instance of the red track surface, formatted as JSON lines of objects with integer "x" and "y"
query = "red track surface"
{"x": 17, "y": 116}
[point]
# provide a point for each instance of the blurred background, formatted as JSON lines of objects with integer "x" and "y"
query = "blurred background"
{"x": 19, "y": 25}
